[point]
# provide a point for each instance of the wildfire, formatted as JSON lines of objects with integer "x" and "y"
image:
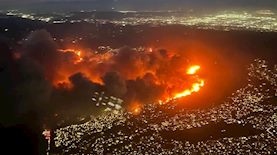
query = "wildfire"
{"x": 78, "y": 53}
{"x": 196, "y": 86}
{"x": 95, "y": 65}
{"x": 193, "y": 69}
{"x": 135, "y": 108}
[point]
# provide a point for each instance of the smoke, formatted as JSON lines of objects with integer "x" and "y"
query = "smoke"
{"x": 139, "y": 75}
{"x": 40, "y": 48}
{"x": 33, "y": 90}
{"x": 129, "y": 63}
{"x": 24, "y": 85}
{"x": 144, "y": 90}
{"x": 45, "y": 79}
{"x": 133, "y": 63}
{"x": 114, "y": 84}
{"x": 7, "y": 78}
{"x": 76, "y": 98}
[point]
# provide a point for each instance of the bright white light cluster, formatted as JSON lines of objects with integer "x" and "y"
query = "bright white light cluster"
{"x": 228, "y": 20}
{"x": 122, "y": 133}
{"x": 260, "y": 20}
{"x": 108, "y": 102}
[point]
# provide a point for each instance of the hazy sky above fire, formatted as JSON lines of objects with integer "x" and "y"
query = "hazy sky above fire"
{"x": 163, "y": 4}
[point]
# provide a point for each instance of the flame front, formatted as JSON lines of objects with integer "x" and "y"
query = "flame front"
{"x": 193, "y": 69}
{"x": 196, "y": 86}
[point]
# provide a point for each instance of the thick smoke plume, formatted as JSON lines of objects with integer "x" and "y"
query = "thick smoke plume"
{"x": 39, "y": 75}
{"x": 114, "y": 84}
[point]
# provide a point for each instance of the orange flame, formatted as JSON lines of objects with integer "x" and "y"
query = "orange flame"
{"x": 78, "y": 53}
{"x": 135, "y": 108}
{"x": 195, "y": 86}
{"x": 86, "y": 62}
{"x": 193, "y": 69}
{"x": 77, "y": 63}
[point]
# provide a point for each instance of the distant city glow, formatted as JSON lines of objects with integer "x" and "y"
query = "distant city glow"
{"x": 259, "y": 20}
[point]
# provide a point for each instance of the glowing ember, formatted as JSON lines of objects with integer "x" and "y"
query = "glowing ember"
{"x": 135, "y": 108}
{"x": 193, "y": 69}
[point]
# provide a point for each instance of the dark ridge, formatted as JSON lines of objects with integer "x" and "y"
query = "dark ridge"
{"x": 212, "y": 131}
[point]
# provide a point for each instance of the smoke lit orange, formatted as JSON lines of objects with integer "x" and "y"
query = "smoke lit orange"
{"x": 78, "y": 53}
{"x": 135, "y": 108}
{"x": 166, "y": 74}
{"x": 196, "y": 86}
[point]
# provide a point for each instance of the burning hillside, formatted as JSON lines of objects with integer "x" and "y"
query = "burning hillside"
{"x": 128, "y": 72}
{"x": 141, "y": 75}
{"x": 65, "y": 77}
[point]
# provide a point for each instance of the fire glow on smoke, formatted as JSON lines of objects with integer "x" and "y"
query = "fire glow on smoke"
{"x": 153, "y": 69}
{"x": 196, "y": 86}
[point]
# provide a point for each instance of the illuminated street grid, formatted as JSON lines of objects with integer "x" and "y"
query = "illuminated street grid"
{"x": 260, "y": 20}
{"x": 119, "y": 132}
{"x": 220, "y": 21}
